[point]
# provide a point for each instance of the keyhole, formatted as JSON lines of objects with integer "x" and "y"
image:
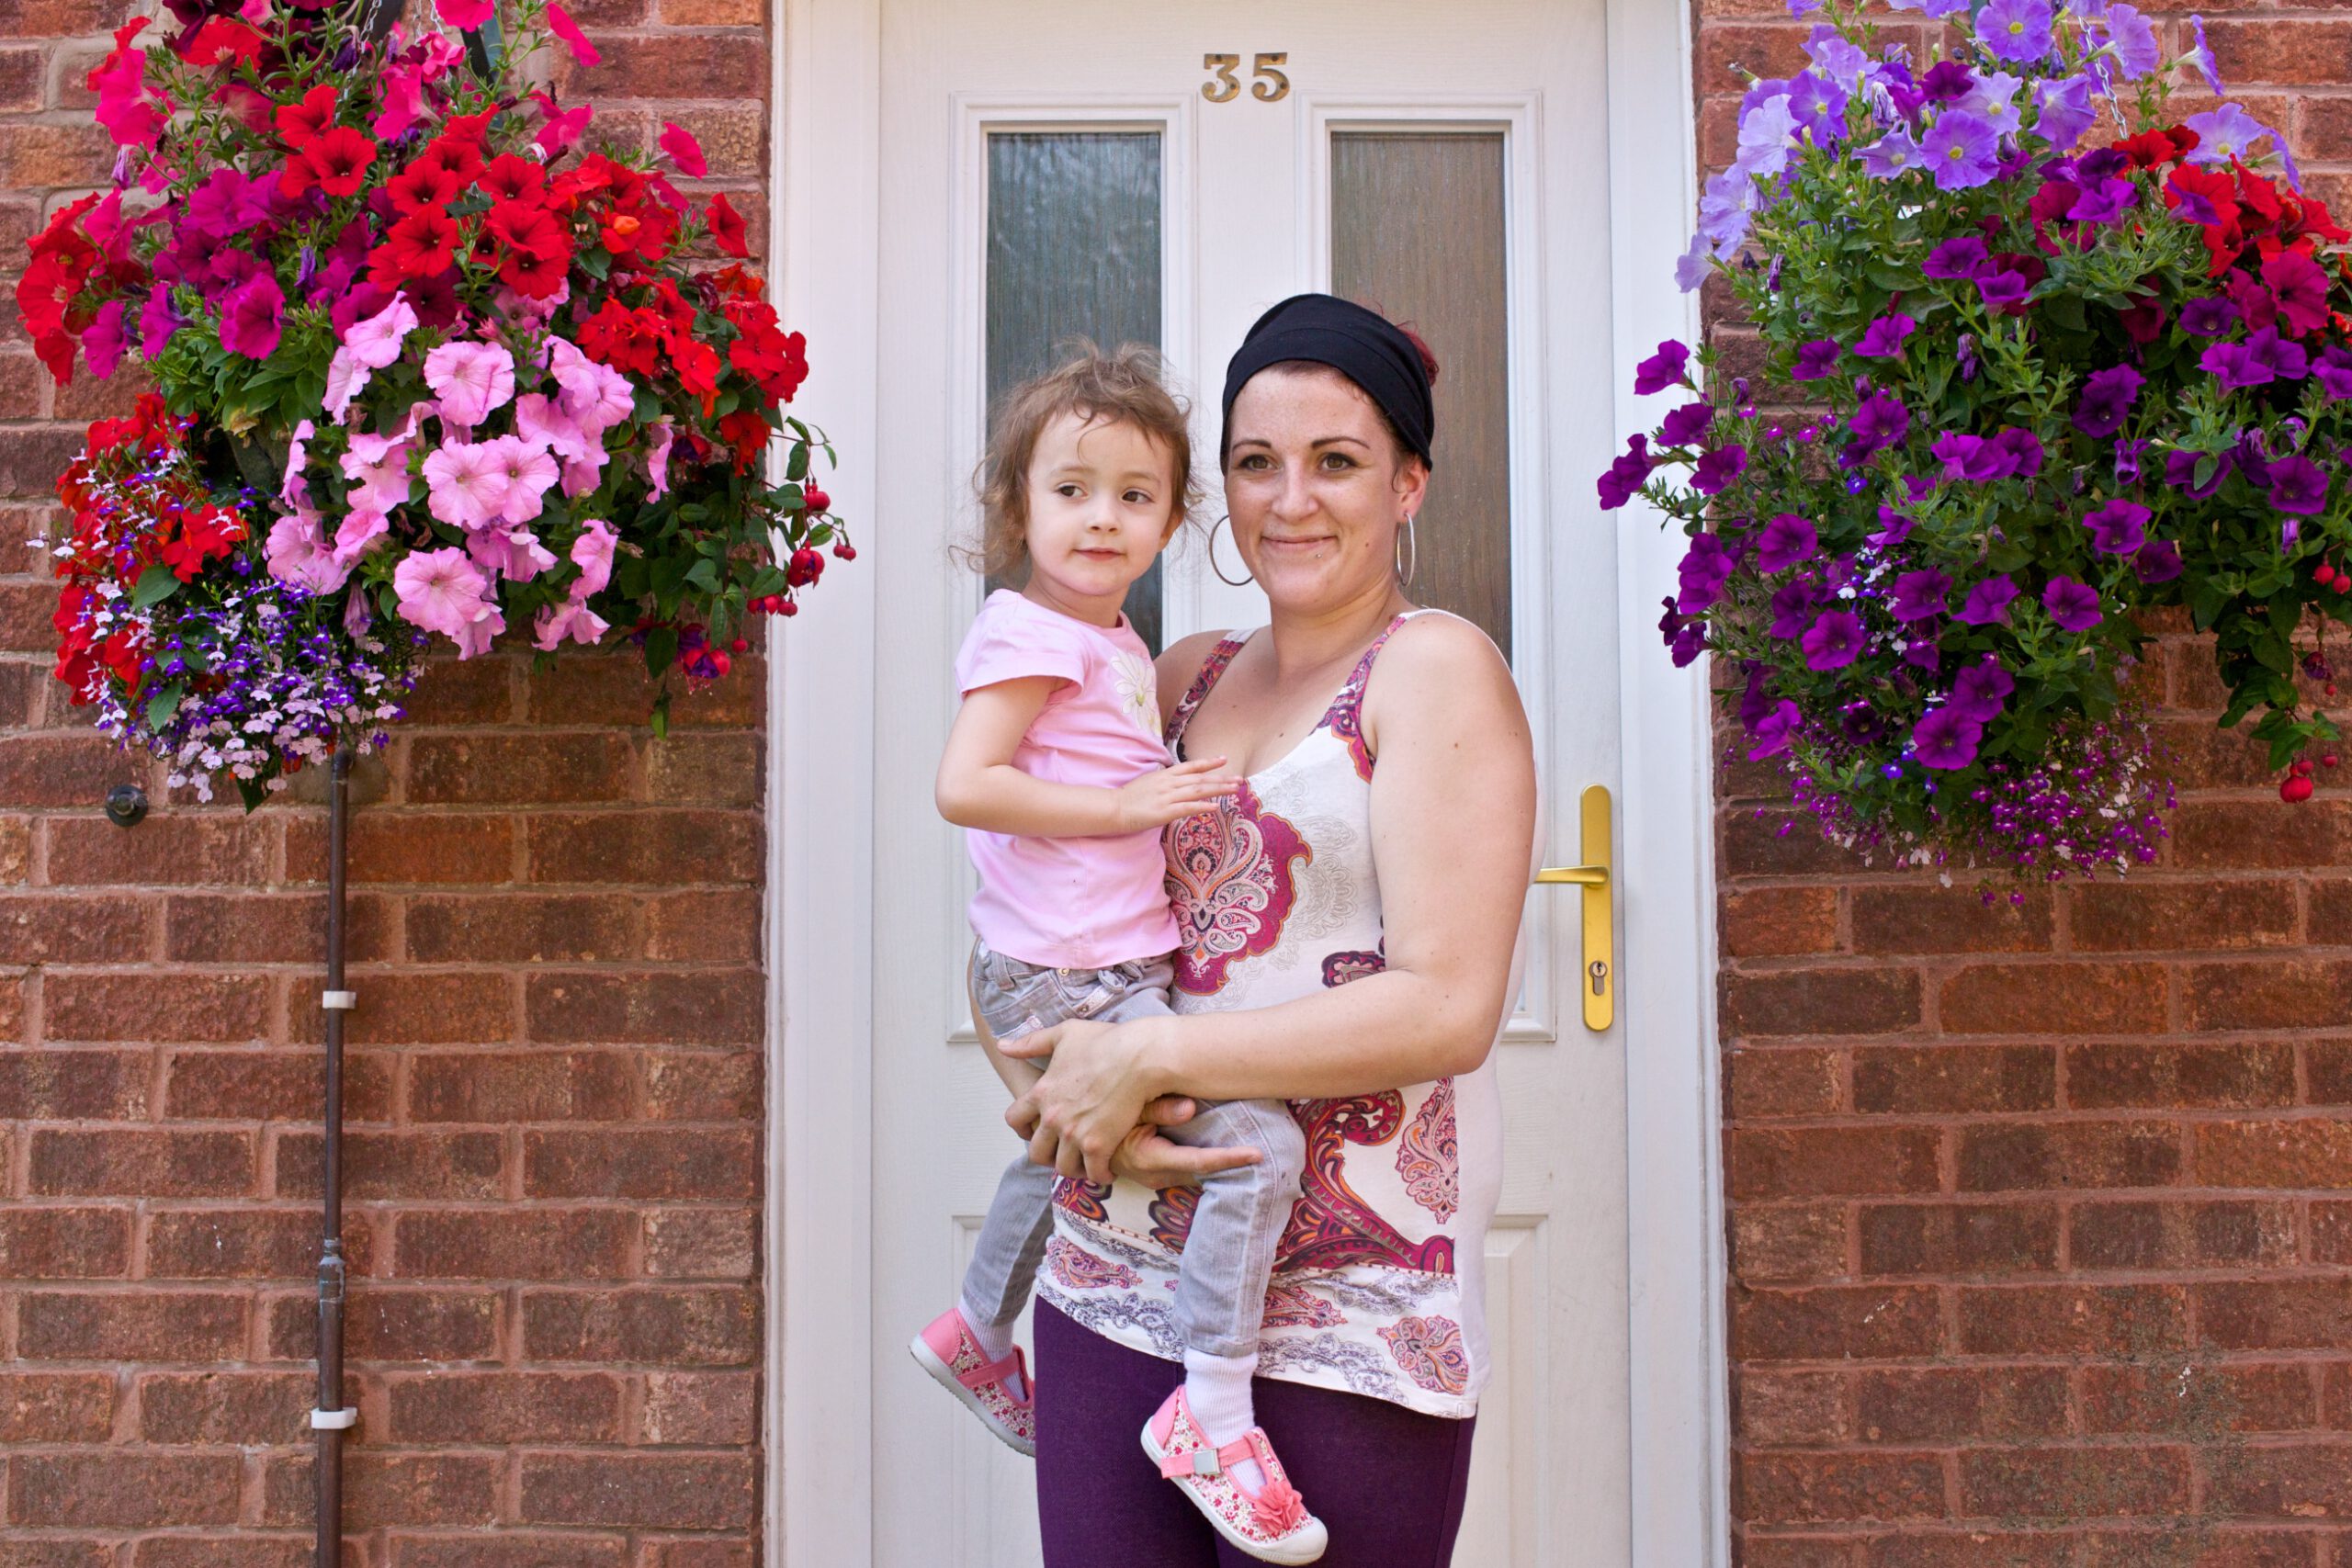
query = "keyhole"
{"x": 1599, "y": 972}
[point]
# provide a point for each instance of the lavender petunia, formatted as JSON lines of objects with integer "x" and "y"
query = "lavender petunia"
{"x": 1961, "y": 258}
{"x": 2203, "y": 57}
{"x": 1717, "y": 467}
{"x": 1669, "y": 367}
{"x": 2073, "y": 605}
{"x": 1882, "y": 339}
{"x": 1987, "y": 602}
{"x": 2224, "y": 134}
{"x": 1962, "y": 149}
{"x": 2297, "y": 485}
{"x": 2208, "y": 317}
{"x": 1835, "y": 57}
{"x": 2132, "y": 41}
{"x": 1786, "y": 540}
{"x": 2158, "y": 561}
{"x": 2108, "y": 397}
{"x": 1816, "y": 359}
{"x": 2017, "y": 31}
{"x": 1767, "y": 134}
{"x": 1979, "y": 690}
{"x": 1692, "y": 266}
{"x": 1896, "y": 152}
{"x": 2062, "y": 110}
{"x": 1944, "y": 739}
{"x": 1819, "y": 106}
{"x": 2119, "y": 527}
{"x": 1919, "y": 594}
{"x": 1833, "y": 642}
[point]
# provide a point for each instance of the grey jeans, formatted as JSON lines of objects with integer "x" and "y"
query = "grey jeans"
{"x": 1229, "y": 1251}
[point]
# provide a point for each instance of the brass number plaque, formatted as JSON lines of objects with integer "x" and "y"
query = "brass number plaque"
{"x": 1267, "y": 85}
{"x": 1223, "y": 89}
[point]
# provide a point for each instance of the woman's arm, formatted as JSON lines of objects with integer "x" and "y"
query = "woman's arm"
{"x": 1452, "y": 834}
{"x": 980, "y": 787}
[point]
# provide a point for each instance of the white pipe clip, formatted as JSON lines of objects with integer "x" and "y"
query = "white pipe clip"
{"x": 339, "y": 1002}
{"x": 334, "y": 1420}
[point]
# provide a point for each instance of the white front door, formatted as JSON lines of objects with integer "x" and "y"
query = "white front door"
{"x": 1162, "y": 173}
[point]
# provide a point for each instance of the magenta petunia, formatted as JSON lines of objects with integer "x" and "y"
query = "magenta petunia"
{"x": 1945, "y": 739}
{"x": 253, "y": 317}
{"x": 1669, "y": 367}
{"x": 2073, "y": 605}
{"x": 1816, "y": 359}
{"x": 1919, "y": 594}
{"x": 1786, "y": 540}
{"x": 1882, "y": 339}
{"x": 1981, "y": 689}
{"x": 1833, "y": 642}
{"x": 1987, "y": 602}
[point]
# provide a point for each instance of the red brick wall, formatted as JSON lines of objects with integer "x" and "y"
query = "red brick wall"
{"x": 2041, "y": 1219}
{"x": 555, "y": 1085}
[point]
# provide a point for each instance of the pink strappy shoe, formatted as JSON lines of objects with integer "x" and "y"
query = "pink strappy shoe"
{"x": 1272, "y": 1525}
{"x": 956, "y": 1361}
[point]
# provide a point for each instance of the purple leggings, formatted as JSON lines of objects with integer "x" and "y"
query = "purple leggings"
{"x": 1388, "y": 1482}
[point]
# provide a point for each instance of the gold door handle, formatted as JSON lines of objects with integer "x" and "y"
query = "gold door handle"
{"x": 1595, "y": 982}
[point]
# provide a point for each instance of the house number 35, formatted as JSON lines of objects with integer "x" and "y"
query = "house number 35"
{"x": 1266, "y": 85}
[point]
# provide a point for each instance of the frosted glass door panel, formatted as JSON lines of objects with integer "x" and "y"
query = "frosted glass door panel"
{"x": 1073, "y": 252}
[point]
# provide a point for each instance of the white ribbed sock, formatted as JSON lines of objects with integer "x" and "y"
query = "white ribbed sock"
{"x": 1217, "y": 1388}
{"x": 995, "y": 1339}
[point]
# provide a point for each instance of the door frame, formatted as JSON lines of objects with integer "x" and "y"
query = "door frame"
{"x": 825, "y": 129}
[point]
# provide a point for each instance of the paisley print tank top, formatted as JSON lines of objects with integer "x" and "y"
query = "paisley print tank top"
{"x": 1377, "y": 1277}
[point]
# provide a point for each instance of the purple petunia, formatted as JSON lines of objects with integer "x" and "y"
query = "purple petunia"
{"x": 2234, "y": 366}
{"x": 1882, "y": 339}
{"x": 2073, "y": 605}
{"x": 2286, "y": 360}
{"x": 2119, "y": 527}
{"x": 1980, "y": 690}
{"x": 1717, "y": 467}
{"x": 1833, "y": 642}
{"x": 2158, "y": 561}
{"x": 1685, "y": 634}
{"x": 1705, "y": 567}
{"x": 2107, "y": 396}
{"x": 1773, "y": 731}
{"x": 2297, "y": 485}
{"x": 1627, "y": 475}
{"x": 2016, "y": 30}
{"x": 1919, "y": 594}
{"x": 2065, "y": 109}
{"x": 1945, "y": 739}
{"x": 2203, "y": 55}
{"x": 1793, "y": 605}
{"x": 2208, "y": 318}
{"x": 2005, "y": 287}
{"x": 1669, "y": 367}
{"x": 1686, "y": 425}
{"x": 1816, "y": 359}
{"x": 1877, "y": 423}
{"x": 1786, "y": 540}
{"x": 2180, "y": 471}
{"x": 1987, "y": 602}
{"x": 2105, "y": 202}
{"x": 1961, "y": 148}
{"x": 1894, "y": 527}
{"x": 2024, "y": 449}
{"x": 1960, "y": 258}
{"x": 1947, "y": 80}
{"x": 2333, "y": 369}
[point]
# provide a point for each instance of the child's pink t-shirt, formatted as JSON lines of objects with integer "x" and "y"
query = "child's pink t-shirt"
{"x": 1071, "y": 903}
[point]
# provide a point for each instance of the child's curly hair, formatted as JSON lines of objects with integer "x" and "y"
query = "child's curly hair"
{"x": 1124, "y": 387}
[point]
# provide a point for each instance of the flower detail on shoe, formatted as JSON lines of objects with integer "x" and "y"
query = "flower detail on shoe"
{"x": 954, "y": 1358}
{"x": 1271, "y": 1524}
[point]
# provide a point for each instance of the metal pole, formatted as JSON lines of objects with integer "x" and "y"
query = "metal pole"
{"x": 331, "y": 1418}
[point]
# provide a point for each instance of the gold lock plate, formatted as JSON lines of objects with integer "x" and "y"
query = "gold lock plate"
{"x": 1596, "y": 978}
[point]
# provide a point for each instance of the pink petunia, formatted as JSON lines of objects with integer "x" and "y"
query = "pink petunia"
{"x": 594, "y": 395}
{"x": 468, "y": 484}
{"x": 684, "y": 151}
{"x": 360, "y": 527}
{"x": 157, "y": 321}
{"x": 657, "y": 457}
{"x": 440, "y": 591}
{"x": 466, "y": 15}
{"x": 404, "y": 101}
{"x": 470, "y": 379}
{"x": 559, "y": 23}
{"x": 510, "y": 551}
{"x": 297, "y": 553}
{"x": 253, "y": 317}
{"x": 529, "y": 474}
{"x": 572, "y": 619}
{"x": 377, "y": 467}
{"x": 376, "y": 341}
{"x": 591, "y": 552}
{"x": 583, "y": 474}
{"x": 540, "y": 422}
{"x": 292, "y": 487}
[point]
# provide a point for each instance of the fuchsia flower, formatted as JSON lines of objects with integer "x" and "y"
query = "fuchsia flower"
{"x": 468, "y": 484}
{"x": 470, "y": 379}
{"x": 439, "y": 590}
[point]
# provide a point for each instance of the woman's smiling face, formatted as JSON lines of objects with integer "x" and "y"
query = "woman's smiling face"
{"x": 1315, "y": 487}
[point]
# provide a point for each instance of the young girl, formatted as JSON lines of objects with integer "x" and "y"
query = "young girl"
{"x": 1057, "y": 767}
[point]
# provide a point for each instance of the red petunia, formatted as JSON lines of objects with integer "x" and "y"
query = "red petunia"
{"x": 748, "y": 435}
{"x": 511, "y": 178}
{"x": 623, "y": 339}
{"x": 422, "y": 245}
{"x": 299, "y": 124}
{"x": 221, "y": 41}
{"x": 453, "y": 155}
{"x": 726, "y": 227}
{"x": 336, "y": 160}
{"x": 207, "y": 533}
{"x": 469, "y": 128}
{"x": 422, "y": 185}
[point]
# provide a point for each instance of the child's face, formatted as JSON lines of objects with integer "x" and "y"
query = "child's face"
{"x": 1102, "y": 500}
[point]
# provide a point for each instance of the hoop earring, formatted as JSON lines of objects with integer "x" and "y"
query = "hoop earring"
{"x": 1412, "y": 553}
{"x": 1248, "y": 577}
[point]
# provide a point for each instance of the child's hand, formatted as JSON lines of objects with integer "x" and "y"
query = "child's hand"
{"x": 1169, "y": 795}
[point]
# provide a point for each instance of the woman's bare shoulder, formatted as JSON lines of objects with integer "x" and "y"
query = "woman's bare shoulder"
{"x": 1440, "y": 661}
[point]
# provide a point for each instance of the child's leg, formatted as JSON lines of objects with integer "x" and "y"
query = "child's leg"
{"x": 1229, "y": 1256}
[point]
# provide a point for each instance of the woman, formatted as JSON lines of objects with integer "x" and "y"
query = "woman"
{"x": 1348, "y": 921}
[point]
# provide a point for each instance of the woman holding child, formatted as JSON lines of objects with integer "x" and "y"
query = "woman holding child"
{"x": 1298, "y": 1107}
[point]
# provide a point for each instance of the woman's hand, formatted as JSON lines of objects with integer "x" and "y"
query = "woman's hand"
{"x": 1091, "y": 1098}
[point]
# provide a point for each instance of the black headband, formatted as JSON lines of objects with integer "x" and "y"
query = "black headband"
{"x": 1363, "y": 345}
